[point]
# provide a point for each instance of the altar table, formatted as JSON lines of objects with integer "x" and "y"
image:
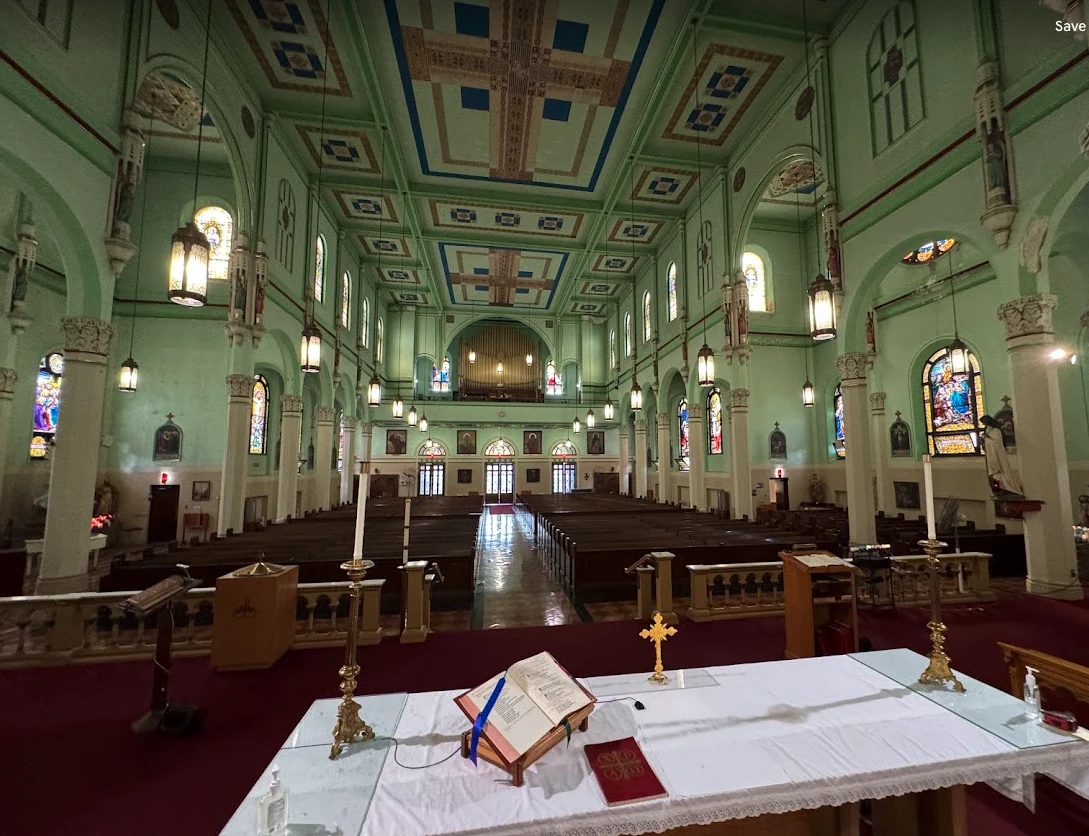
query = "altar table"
{"x": 772, "y": 748}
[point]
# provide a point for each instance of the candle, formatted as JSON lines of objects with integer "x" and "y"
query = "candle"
{"x": 360, "y": 516}
{"x": 404, "y": 543}
{"x": 928, "y": 479}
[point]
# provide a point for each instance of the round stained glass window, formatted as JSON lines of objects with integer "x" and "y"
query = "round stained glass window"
{"x": 929, "y": 251}
{"x": 56, "y": 363}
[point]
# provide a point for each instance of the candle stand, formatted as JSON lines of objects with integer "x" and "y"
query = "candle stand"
{"x": 938, "y": 671}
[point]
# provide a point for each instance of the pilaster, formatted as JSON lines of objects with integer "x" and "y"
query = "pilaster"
{"x": 348, "y": 470}
{"x": 287, "y": 486}
{"x": 641, "y": 458}
{"x": 622, "y": 434}
{"x": 324, "y": 416}
{"x": 232, "y": 499}
{"x": 665, "y": 459}
{"x": 697, "y": 442}
{"x": 740, "y": 467}
{"x": 856, "y": 431}
{"x": 879, "y": 437}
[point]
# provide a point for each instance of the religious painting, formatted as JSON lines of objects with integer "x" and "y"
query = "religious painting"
{"x": 900, "y": 438}
{"x": 953, "y": 404}
{"x": 396, "y": 442}
{"x": 467, "y": 442}
{"x": 167, "y": 445}
{"x": 202, "y": 491}
{"x": 533, "y": 475}
{"x": 777, "y": 443}
{"x": 531, "y": 442}
{"x": 595, "y": 442}
{"x": 907, "y": 495}
{"x": 465, "y": 476}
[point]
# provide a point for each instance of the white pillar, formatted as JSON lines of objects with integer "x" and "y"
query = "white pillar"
{"x": 856, "y": 433}
{"x": 75, "y": 456}
{"x": 697, "y": 441}
{"x": 287, "y": 487}
{"x": 879, "y": 437}
{"x": 232, "y": 492}
{"x": 1041, "y": 446}
{"x": 623, "y": 459}
{"x": 7, "y": 388}
{"x": 665, "y": 463}
{"x": 641, "y": 458}
{"x": 324, "y": 416}
{"x": 366, "y": 429}
{"x": 348, "y": 470}
{"x": 740, "y": 469}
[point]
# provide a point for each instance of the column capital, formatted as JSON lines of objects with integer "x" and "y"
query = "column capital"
{"x": 348, "y": 423}
{"x": 663, "y": 421}
{"x": 852, "y": 368}
{"x": 366, "y": 427}
{"x": 877, "y": 403}
{"x": 86, "y": 339}
{"x": 739, "y": 399}
{"x": 240, "y": 386}
{"x": 325, "y": 414}
{"x": 1028, "y": 316}
{"x": 622, "y": 432}
{"x": 7, "y": 383}
{"x": 695, "y": 412}
{"x": 641, "y": 426}
{"x": 291, "y": 403}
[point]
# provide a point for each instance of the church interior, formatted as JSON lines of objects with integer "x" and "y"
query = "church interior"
{"x": 744, "y": 338}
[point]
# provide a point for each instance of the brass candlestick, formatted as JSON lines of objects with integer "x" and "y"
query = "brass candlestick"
{"x": 658, "y": 632}
{"x": 350, "y": 725}
{"x": 938, "y": 671}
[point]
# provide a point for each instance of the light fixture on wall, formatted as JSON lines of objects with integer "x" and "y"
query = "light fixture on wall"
{"x": 958, "y": 351}
{"x": 374, "y": 391}
{"x": 636, "y": 395}
{"x": 310, "y": 349}
{"x": 398, "y": 407}
{"x": 591, "y": 419}
{"x": 413, "y": 416}
{"x": 608, "y": 409}
{"x": 423, "y": 423}
{"x": 705, "y": 359}
{"x": 576, "y": 426}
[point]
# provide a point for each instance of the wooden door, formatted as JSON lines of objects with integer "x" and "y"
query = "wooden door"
{"x": 162, "y": 515}
{"x": 383, "y": 485}
{"x": 606, "y": 483}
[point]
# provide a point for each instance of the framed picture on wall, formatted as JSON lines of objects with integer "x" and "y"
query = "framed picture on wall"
{"x": 533, "y": 475}
{"x": 465, "y": 476}
{"x": 595, "y": 442}
{"x": 396, "y": 442}
{"x": 167, "y": 446}
{"x": 202, "y": 491}
{"x": 907, "y": 495}
{"x": 531, "y": 442}
{"x": 466, "y": 442}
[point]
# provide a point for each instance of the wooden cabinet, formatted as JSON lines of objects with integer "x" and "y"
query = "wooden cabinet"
{"x": 819, "y": 595}
{"x": 254, "y": 622}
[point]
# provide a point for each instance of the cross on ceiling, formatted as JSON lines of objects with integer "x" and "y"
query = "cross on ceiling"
{"x": 502, "y": 278}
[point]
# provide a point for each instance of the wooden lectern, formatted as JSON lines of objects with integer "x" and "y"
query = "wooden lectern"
{"x": 821, "y": 614}
{"x": 255, "y": 616}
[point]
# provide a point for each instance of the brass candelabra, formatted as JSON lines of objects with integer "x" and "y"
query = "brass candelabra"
{"x": 938, "y": 671}
{"x": 350, "y": 726}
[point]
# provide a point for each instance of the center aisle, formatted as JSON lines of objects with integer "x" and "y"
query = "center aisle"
{"x": 512, "y": 587}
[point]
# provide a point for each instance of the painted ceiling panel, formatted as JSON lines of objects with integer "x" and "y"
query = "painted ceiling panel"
{"x": 626, "y": 231}
{"x": 339, "y": 149}
{"x": 497, "y": 218}
{"x": 501, "y": 276}
{"x": 386, "y": 245}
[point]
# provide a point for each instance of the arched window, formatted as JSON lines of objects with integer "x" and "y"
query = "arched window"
{"x": 892, "y": 69}
{"x": 929, "y": 251}
{"x": 564, "y": 450}
{"x": 345, "y": 299}
{"x": 612, "y": 349}
{"x": 432, "y": 449}
{"x": 365, "y": 322}
{"x": 671, "y": 291}
{"x": 216, "y": 223}
{"x": 682, "y": 434}
{"x": 553, "y": 380}
{"x": 628, "y": 341}
{"x": 752, "y": 266}
{"x": 714, "y": 422}
{"x": 953, "y": 402}
{"x": 47, "y": 392}
{"x": 379, "y": 340}
{"x": 564, "y": 468}
{"x": 440, "y": 376}
{"x": 647, "y": 322}
{"x": 498, "y": 448}
{"x": 285, "y": 227}
{"x": 259, "y": 415}
{"x": 319, "y": 269}
{"x": 432, "y": 472}
{"x": 837, "y": 412}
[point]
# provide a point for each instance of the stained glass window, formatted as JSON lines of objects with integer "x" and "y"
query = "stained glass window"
{"x": 714, "y": 422}
{"x": 319, "y": 269}
{"x": 953, "y": 404}
{"x": 752, "y": 266}
{"x": 432, "y": 449}
{"x": 216, "y": 223}
{"x": 564, "y": 450}
{"x": 259, "y": 415}
{"x": 440, "y": 376}
{"x": 628, "y": 343}
{"x": 345, "y": 299}
{"x": 612, "y": 349}
{"x": 647, "y": 324}
{"x": 682, "y": 431}
{"x": 671, "y": 291}
{"x": 892, "y": 64}
{"x": 499, "y": 447}
{"x": 929, "y": 251}
{"x": 47, "y": 392}
{"x": 553, "y": 380}
{"x": 379, "y": 340}
{"x": 837, "y": 412}
{"x": 365, "y": 322}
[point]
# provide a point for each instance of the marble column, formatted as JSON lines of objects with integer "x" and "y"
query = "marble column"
{"x": 665, "y": 462}
{"x": 879, "y": 437}
{"x": 324, "y": 416}
{"x": 1041, "y": 446}
{"x": 641, "y": 458}
{"x": 7, "y": 388}
{"x": 75, "y": 457}
{"x": 697, "y": 441}
{"x": 740, "y": 469}
{"x": 856, "y": 433}
{"x": 287, "y": 486}
{"x": 623, "y": 459}
{"x": 348, "y": 469}
{"x": 232, "y": 492}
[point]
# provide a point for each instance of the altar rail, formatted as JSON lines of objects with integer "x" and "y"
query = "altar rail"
{"x": 91, "y": 626}
{"x": 740, "y": 590}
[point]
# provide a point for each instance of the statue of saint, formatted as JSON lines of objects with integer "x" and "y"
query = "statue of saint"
{"x": 259, "y": 302}
{"x": 106, "y": 499}
{"x": 1003, "y": 480}
{"x": 19, "y": 284}
{"x": 239, "y": 300}
{"x": 871, "y": 333}
{"x": 816, "y": 488}
{"x": 126, "y": 198}
{"x": 994, "y": 165}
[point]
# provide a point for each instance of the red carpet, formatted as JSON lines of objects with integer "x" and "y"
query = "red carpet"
{"x": 70, "y": 763}
{"x": 500, "y": 509}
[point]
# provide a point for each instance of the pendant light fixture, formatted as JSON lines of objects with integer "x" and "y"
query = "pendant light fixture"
{"x": 822, "y": 303}
{"x": 529, "y": 359}
{"x": 423, "y": 423}
{"x": 187, "y": 281}
{"x": 608, "y": 409}
{"x": 413, "y": 416}
{"x": 636, "y": 395}
{"x": 310, "y": 348}
{"x": 591, "y": 419}
{"x": 576, "y": 426}
{"x": 398, "y": 407}
{"x": 808, "y": 393}
{"x": 472, "y": 355}
{"x": 958, "y": 351}
{"x": 705, "y": 358}
{"x": 129, "y": 377}
{"x": 636, "y": 392}
{"x": 374, "y": 391}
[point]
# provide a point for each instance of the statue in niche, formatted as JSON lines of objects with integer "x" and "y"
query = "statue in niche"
{"x": 1004, "y": 419}
{"x": 727, "y": 313}
{"x": 259, "y": 302}
{"x": 834, "y": 264}
{"x": 1004, "y": 483}
{"x": 995, "y": 168}
{"x": 238, "y": 299}
{"x": 122, "y": 210}
{"x": 105, "y": 499}
{"x": 777, "y": 443}
{"x": 871, "y": 333}
{"x": 816, "y": 489}
{"x": 19, "y": 283}
{"x": 741, "y": 302}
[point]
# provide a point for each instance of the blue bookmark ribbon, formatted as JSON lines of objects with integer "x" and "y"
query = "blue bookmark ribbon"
{"x": 482, "y": 718}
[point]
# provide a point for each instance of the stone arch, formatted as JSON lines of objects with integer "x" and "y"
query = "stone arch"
{"x": 277, "y": 351}
{"x": 1051, "y": 208}
{"x": 491, "y": 318}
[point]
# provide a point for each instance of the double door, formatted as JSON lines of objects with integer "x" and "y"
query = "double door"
{"x": 498, "y": 482}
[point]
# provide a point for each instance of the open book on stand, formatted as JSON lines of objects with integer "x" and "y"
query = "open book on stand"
{"x": 539, "y": 705}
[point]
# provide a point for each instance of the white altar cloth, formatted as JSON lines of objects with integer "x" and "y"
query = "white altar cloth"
{"x": 769, "y": 738}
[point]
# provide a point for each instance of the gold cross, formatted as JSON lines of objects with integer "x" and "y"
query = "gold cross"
{"x": 658, "y": 632}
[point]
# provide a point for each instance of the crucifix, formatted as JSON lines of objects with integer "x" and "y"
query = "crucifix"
{"x": 170, "y": 416}
{"x": 658, "y": 632}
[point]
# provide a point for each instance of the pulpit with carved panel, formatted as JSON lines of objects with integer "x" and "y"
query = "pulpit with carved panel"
{"x": 254, "y": 616}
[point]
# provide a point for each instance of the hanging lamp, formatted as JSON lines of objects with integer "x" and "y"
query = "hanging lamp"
{"x": 413, "y": 416}
{"x": 310, "y": 349}
{"x": 958, "y": 351}
{"x": 705, "y": 358}
{"x": 129, "y": 377}
{"x": 576, "y": 426}
{"x": 374, "y": 391}
{"x": 591, "y": 419}
{"x": 529, "y": 359}
{"x": 808, "y": 395}
{"x": 423, "y": 423}
{"x": 608, "y": 409}
{"x": 636, "y": 392}
{"x": 398, "y": 407}
{"x": 636, "y": 395}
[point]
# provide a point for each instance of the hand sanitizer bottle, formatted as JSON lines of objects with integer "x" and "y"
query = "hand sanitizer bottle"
{"x": 1032, "y": 695}
{"x": 272, "y": 808}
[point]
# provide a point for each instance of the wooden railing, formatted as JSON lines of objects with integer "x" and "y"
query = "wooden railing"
{"x": 739, "y": 590}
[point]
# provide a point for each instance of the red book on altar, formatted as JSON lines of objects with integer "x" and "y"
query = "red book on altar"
{"x": 623, "y": 773}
